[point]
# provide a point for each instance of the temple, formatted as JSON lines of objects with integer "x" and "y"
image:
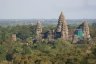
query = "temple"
{"x": 81, "y": 32}
{"x": 61, "y": 30}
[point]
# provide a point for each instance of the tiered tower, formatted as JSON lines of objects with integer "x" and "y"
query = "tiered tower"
{"x": 64, "y": 31}
{"x": 62, "y": 27}
{"x": 81, "y": 33}
{"x": 86, "y": 30}
{"x": 60, "y": 22}
{"x": 38, "y": 31}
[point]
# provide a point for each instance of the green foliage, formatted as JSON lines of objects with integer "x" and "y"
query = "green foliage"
{"x": 2, "y": 53}
{"x": 24, "y": 51}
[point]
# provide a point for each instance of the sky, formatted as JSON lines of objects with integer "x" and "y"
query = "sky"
{"x": 47, "y": 9}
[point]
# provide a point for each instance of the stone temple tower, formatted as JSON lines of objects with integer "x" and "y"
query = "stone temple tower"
{"x": 60, "y": 22}
{"x": 38, "y": 31}
{"x": 64, "y": 31}
{"x": 13, "y": 37}
{"x": 86, "y": 30}
{"x": 81, "y": 33}
{"x": 62, "y": 27}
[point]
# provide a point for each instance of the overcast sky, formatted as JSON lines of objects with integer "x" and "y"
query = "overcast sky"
{"x": 47, "y": 9}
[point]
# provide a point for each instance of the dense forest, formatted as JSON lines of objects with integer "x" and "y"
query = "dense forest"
{"x": 24, "y": 51}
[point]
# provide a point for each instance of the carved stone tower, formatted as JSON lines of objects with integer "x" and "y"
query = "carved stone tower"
{"x": 81, "y": 33}
{"x": 62, "y": 27}
{"x": 38, "y": 31}
{"x": 86, "y": 30}
{"x": 60, "y": 21}
{"x": 13, "y": 37}
{"x": 64, "y": 31}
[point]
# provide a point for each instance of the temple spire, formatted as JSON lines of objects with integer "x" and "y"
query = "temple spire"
{"x": 60, "y": 21}
{"x": 81, "y": 33}
{"x": 38, "y": 30}
{"x": 62, "y": 27}
{"x": 61, "y": 17}
{"x": 64, "y": 31}
{"x": 86, "y": 30}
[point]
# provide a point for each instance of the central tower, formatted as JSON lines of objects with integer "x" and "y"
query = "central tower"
{"x": 62, "y": 28}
